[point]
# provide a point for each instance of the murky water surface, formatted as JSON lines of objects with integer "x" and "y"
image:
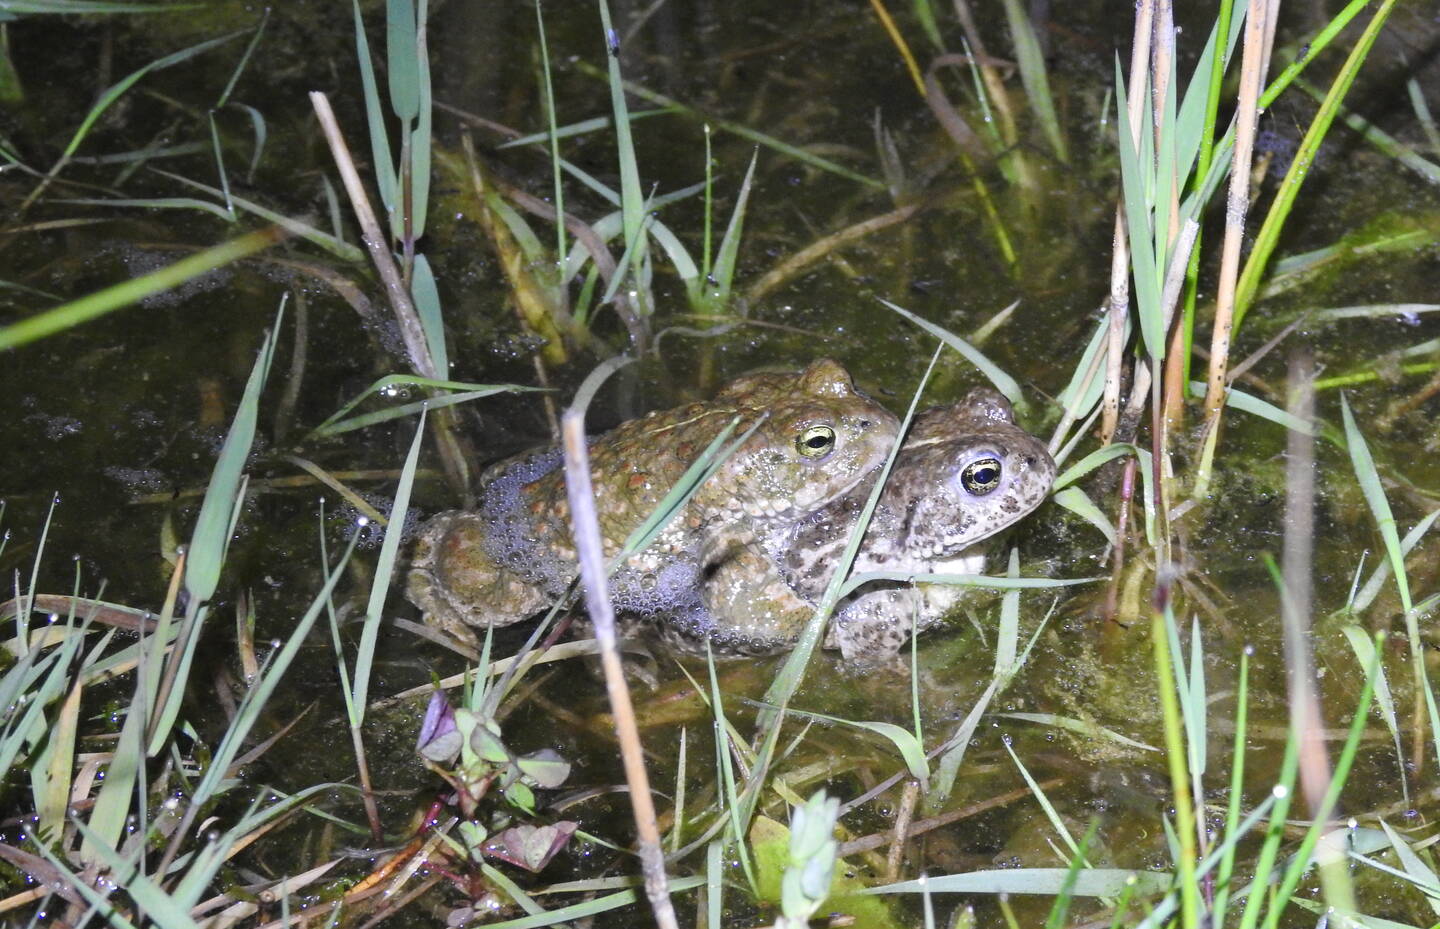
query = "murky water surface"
{"x": 121, "y": 418}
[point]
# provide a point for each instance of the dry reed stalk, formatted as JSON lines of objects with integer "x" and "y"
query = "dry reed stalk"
{"x": 1120, "y": 249}
{"x": 411, "y": 332}
{"x": 443, "y": 422}
{"x": 790, "y": 267}
{"x": 586, "y": 527}
{"x": 1254, "y": 57}
{"x": 1296, "y": 601}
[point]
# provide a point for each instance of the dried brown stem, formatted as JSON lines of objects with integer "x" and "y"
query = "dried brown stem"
{"x": 904, "y": 816}
{"x": 1120, "y": 252}
{"x": 1296, "y": 560}
{"x": 586, "y": 527}
{"x": 411, "y": 332}
{"x": 785, "y": 270}
{"x": 1254, "y": 57}
{"x": 443, "y": 420}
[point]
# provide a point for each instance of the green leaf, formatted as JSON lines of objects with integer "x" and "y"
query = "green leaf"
{"x": 1078, "y": 502}
{"x": 402, "y": 55}
{"x": 384, "y": 571}
{"x": 1002, "y": 381}
{"x": 545, "y": 767}
{"x": 427, "y": 305}
{"x": 1090, "y": 882}
{"x": 92, "y": 306}
{"x": 210, "y": 538}
{"x": 911, "y": 751}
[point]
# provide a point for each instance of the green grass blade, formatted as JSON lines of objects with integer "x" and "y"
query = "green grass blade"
{"x": 427, "y": 306}
{"x": 551, "y": 135}
{"x": 260, "y": 132}
{"x": 952, "y": 751}
{"x": 76, "y": 312}
{"x": 911, "y": 751}
{"x": 420, "y": 143}
{"x": 583, "y": 127}
{"x": 987, "y": 581}
{"x": 1269, "y": 235}
{"x": 632, "y": 198}
{"x": 1371, "y": 590}
{"x": 244, "y": 60}
{"x": 402, "y": 55}
{"x": 1078, "y": 502}
{"x": 1368, "y": 477}
{"x": 92, "y": 7}
{"x": 389, "y": 383}
{"x": 116, "y": 91}
{"x": 1086, "y": 728}
{"x": 1032, "y": 75}
{"x": 744, "y": 132}
{"x": 254, "y": 704}
{"x": 1007, "y": 636}
{"x": 332, "y": 244}
{"x": 159, "y": 203}
{"x": 724, "y": 269}
{"x": 211, "y": 534}
{"x": 1301, "y": 860}
{"x": 385, "y": 177}
{"x": 1364, "y": 649}
{"x": 1003, "y": 382}
{"x": 714, "y": 883}
{"x": 1089, "y": 882}
{"x": 1091, "y": 462}
{"x": 365, "y": 420}
{"x": 384, "y": 570}
{"x": 1137, "y": 187}
{"x": 160, "y": 908}
{"x": 1249, "y": 403}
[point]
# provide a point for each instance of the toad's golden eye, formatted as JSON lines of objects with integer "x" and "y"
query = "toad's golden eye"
{"x": 815, "y": 442}
{"x": 980, "y": 477}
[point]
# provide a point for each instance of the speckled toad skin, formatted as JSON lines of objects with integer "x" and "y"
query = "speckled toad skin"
{"x": 815, "y": 438}
{"x": 965, "y": 473}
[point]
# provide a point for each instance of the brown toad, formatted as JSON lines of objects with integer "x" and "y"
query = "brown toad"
{"x": 815, "y": 437}
{"x": 964, "y": 473}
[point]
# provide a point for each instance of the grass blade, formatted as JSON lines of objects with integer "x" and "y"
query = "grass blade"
{"x": 211, "y": 535}
{"x": 1032, "y": 74}
{"x": 384, "y": 570}
{"x": 116, "y": 91}
{"x": 1002, "y": 381}
{"x": 92, "y": 306}
{"x": 1269, "y": 235}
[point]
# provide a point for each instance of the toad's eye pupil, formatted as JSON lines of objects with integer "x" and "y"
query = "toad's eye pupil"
{"x": 981, "y": 477}
{"x": 815, "y": 442}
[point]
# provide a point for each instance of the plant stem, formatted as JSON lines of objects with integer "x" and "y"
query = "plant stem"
{"x": 1237, "y": 204}
{"x": 586, "y": 527}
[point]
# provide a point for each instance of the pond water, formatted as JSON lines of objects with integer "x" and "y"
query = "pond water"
{"x": 120, "y": 419}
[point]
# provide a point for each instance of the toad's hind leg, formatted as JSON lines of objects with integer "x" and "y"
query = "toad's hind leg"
{"x": 454, "y": 580}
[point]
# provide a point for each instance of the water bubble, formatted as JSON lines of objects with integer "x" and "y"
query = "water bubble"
{"x": 1280, "y": 792}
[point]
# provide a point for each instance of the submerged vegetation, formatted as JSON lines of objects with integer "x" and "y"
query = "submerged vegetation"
{"x": 1199, "y": 699}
